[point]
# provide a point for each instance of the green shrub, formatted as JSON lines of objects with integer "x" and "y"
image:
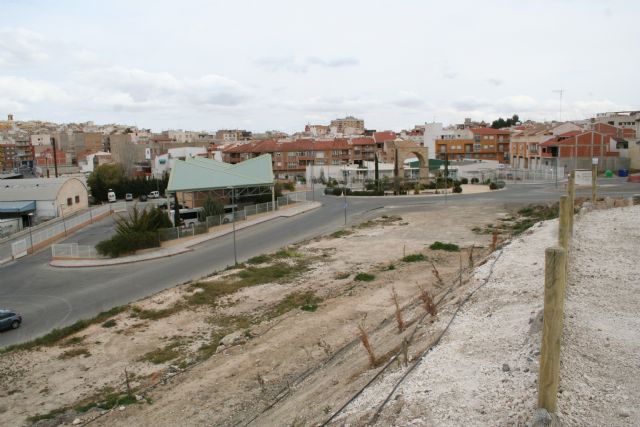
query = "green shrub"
{"x": 121, "y": 244}
{"x": 413, "y": 258}
{"x": 475, "y": 180}
{"x": 457, "y": 189}
{"x": 109, "y": 323}
{"x": 493, "y": 186}
{"x": 449, "y": 247}
{"x": 364, "y": 277}
{"x": 464, "y": 181}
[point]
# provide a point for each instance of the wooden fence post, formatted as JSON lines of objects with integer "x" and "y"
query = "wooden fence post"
{"x": 572, "y": 196}
{"x": 564, "y": 221}
{"x": 594, "y": 176}
{"x": 554, "y": 284}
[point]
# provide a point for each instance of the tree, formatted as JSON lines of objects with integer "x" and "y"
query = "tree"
{"x": 211, "y": 208}
{"x": 103, "y": 178}
{"x": 502, "y": 123}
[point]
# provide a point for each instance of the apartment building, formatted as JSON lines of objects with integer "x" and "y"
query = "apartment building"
{"x": 233, "y": 135}
{"x": 347, "y": 126}
{"x": 7, "y": 157}
{"x": 576, "y": 149}
{"x": 291, "y": 158}
{"x": 483, "y": 144}
{"x": 526, "y": 140}
{"x": 619, "y": 119}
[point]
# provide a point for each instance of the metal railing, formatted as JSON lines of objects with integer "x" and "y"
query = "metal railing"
{"x": 73, "y": 250}
{"x": 227, "y": 218}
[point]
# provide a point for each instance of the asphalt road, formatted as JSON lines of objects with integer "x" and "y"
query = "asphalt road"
{"x": 49, "y": 297}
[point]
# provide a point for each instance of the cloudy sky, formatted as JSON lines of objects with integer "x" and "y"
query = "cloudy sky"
{"x": 274, "y": 64}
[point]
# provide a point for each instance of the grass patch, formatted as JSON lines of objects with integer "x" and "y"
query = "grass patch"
{"x": 383, "y": 220}
{"x": 340, "y": 233}
{"x": 162, "y": 355}
{"x": 306, "y": 301}
{"x": 155, "y": 314}
{"x": 209, "y": 349}
{"x": 109, "y": 323}
{"x": 107, "y": 402}
{"x": 250, "y": 276}
{"x": 287, "y": 253}
{"x": 59, "y": 334}
{"x": 231, "y": 322}
{"x": 73, "y": 341}
{"x": 48, "y": 416}
{"x": 364, "y": 277}
{"x": 74, "y": 352}
{"x": 414, "y": 258}
{"x": 391, "y": 267}
{"x": 525, "y": 218}
{"x": 449, "y": 247}
{"x": 260, "y": 259}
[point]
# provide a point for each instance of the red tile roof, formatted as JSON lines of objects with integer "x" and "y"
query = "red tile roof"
{"x": 385, "y": 136}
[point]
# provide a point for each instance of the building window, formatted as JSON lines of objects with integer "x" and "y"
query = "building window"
{"x": 335, "y": 162}
{"x": 69, "y": 201}
{"x": 292, "y": 165}
{"x": 77, "y": 199}
{"x": 476, "y": 147}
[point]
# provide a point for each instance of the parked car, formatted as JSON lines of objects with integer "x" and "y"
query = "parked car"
{"x": 128, "y": 197}
{"x": 143, "y": 197}
{"x": 154, "y": 195}
{"x": 9, "y": 319}
{"x": 111, "y": 196}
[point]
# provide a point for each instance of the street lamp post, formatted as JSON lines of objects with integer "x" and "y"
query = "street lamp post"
{"x": 30, "y": 235}
{"x": 64, "y": 222}
{"x": 233, "y": 223}
{"x": 345, "y": 205}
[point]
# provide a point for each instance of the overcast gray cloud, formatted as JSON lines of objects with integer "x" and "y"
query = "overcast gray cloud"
{"x": 288, "y": 62}
{"x": 303, "y": 65}
{"x": 20, "y": 47}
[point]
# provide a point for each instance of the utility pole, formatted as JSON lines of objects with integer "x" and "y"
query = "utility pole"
{"x": 55, "y": 156}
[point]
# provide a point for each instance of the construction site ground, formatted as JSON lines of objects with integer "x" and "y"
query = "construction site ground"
{"x": 277, "y": 341}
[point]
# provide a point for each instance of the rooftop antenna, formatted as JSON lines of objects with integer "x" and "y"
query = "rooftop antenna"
{"x": 560, "y": 91}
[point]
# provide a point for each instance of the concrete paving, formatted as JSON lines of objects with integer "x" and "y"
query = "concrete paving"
{"x": 186, "y": 244}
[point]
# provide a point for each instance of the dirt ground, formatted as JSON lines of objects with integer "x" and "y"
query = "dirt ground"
{"x": 254, "y": 357}
{"x": 267, "y": 356}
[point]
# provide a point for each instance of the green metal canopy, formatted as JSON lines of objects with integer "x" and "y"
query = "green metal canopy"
{"x": 200, "y": 174}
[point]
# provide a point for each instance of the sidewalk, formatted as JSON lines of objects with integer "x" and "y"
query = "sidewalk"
{"x": 186, "y": 244}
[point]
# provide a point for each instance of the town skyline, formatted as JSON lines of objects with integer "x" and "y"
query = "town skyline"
{"x": 283, "y": 65}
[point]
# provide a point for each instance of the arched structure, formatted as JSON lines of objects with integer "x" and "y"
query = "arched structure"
{"x": 407, "y": 149}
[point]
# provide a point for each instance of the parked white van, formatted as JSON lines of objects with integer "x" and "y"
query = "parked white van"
{"x": 111, "y": 196}
{"x": 154, "y": 195}
{"x": 188, "y": 217}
